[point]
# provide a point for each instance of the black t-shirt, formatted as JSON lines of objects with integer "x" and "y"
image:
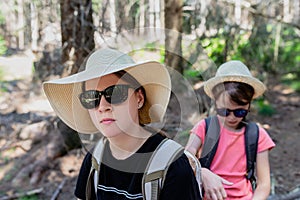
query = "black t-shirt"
{"x": 122, "y": 179}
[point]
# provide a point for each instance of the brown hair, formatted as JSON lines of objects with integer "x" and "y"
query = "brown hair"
{"x": 240, "y": 93}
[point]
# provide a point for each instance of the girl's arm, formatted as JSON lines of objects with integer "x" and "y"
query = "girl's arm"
{"x": 262, "y": 190}
{"x": 212, "y": 183}
{"x": 193, "y": 144}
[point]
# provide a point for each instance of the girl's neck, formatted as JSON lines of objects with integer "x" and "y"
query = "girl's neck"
{"x": 124, "y": 145}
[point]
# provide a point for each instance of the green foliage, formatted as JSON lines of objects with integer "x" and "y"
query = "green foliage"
{"x": 151, "y": 46}
{"x": 2, "y": 18}
{"x": 292, "y": 80}
{"x": 162, "y": 55}
{"x": 270, "y": 48}
{"x": 1, "y": 76}
{"x": 31, "y": 197}
{"x": 264, "y": 107}
{"x": 97, "y": 4}
{"x": 296, "y": 86}
{"x": 214, "y": 48}
{"x": 192, "y": 75}
{"x": 3, "y": 47}
{"x": 240, "y": 42}
{"x": 289, "y": 51}
{"x": 2, "y": 90}
{"x": 275, "y": 48}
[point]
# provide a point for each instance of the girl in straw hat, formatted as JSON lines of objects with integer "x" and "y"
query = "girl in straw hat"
{"x": 232, "y": 89}
{"x": 118, "y": 97}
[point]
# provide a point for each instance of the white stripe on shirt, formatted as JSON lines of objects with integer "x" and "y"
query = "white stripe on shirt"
{"x": 122, "y": 192}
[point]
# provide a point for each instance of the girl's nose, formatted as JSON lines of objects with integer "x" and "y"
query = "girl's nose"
{"x": 104, "y": 106}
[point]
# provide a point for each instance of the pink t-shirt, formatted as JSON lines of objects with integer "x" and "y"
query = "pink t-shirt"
{"x": 230, "y": 159}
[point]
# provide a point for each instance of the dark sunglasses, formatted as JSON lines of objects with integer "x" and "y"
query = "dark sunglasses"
{"x": 114, "y": 94}
{"x": 224, "y": 112}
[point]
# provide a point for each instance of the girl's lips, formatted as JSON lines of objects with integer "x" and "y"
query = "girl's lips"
{"x": 107, "y": 121}
{"x": 232, "y": 123}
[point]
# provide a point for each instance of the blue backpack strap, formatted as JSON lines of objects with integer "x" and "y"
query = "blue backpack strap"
{"x": 251, "y": 143}
{"x": 212, "y": 134}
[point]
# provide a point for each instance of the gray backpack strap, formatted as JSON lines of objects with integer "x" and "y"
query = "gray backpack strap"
{"x": 95, "y": 169}
{"x": 89, "y": 185}
{"x": 156, "y": 170}
{"x": 251, "y": 141}
{"x": 212, "y": 134}
{"x": 196, "y": 166}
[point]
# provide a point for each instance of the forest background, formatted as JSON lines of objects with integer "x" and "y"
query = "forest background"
{"x": 42, "y": 40}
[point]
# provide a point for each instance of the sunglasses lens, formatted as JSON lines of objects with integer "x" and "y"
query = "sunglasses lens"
{"x": 237, "y": 113}
{"x": 116, "y": 94}
{"x": 222, "y": 112}
{"x": 90, "y": 99}
{"x": 240, "y": 112}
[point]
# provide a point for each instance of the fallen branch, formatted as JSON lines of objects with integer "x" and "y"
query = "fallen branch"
{"x": 58, "y": 189}
{"x": 13, "y": 146}
{"x": 22, "y": 194}
{"x": 289, "y": 196}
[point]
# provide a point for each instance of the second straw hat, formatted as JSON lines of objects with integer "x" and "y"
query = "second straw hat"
{"x": 234, "y": 71}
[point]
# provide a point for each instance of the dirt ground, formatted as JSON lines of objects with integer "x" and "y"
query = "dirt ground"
{"x": 284, "y": 129}
{"x": 32, "y": 158}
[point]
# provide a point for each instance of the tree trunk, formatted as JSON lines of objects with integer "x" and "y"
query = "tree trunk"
{"x": 77, "y": 42}
{"x": 121, "y": 15}
{"x": 146, "y": 14}
{"x": 237, "y": 12}
{"x": 34, "y": 27}
{"x": 77, "y": 33}
{"x": 112, "y": 17}
{"x": 296, "y": 11}
{"x": 286, "y": 10}
{"x": 173, "y": 26}
{"x": 21, "y": 24}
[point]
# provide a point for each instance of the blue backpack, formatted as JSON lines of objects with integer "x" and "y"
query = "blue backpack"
{"x": 210, "y": 145}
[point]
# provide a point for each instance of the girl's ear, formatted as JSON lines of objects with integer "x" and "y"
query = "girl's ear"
{"x": 140, "y": 98}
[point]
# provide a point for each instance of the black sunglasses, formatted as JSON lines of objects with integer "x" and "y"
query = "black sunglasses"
{"x": 224, "y": 112}
{"x": 114, "y": 94}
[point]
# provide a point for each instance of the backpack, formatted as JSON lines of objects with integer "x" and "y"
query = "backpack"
{"x": 212, "y": 139}
{"x": 153, "y": 179}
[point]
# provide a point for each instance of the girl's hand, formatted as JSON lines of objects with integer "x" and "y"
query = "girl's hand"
{"x": 213, "y": 185}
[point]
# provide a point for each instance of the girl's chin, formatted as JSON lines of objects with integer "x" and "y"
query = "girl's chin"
{"x": 232, "y": 125}
{"x": 110, "y": 135}
{"x": 109, "y": 131}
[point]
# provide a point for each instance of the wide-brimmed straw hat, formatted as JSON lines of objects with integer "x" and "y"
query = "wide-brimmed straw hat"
{"x": 234, "y": 71}
{"x": 154, "y": 77}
